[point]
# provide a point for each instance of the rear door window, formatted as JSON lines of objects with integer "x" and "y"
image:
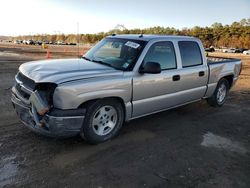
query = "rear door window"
{"x": 190, "y": 53}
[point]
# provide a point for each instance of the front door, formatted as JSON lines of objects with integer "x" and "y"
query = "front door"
{"x": 154, "y": 92}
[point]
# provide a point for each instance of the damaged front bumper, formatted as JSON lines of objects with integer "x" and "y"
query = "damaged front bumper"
{"x": 56, "y": 123}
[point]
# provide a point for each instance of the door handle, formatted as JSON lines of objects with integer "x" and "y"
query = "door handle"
{"x": 176, "y": 77}
{"x": 201, "y": 73}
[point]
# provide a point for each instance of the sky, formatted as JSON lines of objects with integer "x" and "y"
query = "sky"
{"x": 29, "y": 17}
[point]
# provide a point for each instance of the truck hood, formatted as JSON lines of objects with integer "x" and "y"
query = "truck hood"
{"x": 64, "y": 70}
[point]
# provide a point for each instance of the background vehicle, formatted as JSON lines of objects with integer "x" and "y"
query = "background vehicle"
{"x": 230, "y": 50}
{"x": 210, "y": 49}
{"x": 37, "y": 42}
{"x": 240, "y": 50}
{"x": 45, "y": 42}
{"x": 17, "y": 42}
{"x": 59, "y": 42}
{"x": 30, "y": 42}
{"x": 247, "y": 52}
{"x": 122, "y": 78}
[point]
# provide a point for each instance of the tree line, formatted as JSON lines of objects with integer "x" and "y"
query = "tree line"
{"x": 236, "y": 35}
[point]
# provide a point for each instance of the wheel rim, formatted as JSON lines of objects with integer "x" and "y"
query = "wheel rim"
{"x": 221, "y": 94}
{"x": 104, "y": 120}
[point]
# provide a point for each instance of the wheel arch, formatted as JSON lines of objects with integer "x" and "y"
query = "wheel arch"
{"x": 229, "y": 78}
{"x": 86, "y": 104}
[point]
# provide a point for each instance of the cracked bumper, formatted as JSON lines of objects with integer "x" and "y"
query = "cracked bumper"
{"x": 57, "y": 123}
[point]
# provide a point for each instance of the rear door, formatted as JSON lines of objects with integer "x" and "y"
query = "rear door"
{"x": 193, "y": 72}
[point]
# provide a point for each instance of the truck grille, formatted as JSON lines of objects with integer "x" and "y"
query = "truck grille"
{"x": 21, "y": 92}
{"x": 26, "y": 83}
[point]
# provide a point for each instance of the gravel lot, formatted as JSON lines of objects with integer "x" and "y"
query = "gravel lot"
{"x": 191, "y": 146}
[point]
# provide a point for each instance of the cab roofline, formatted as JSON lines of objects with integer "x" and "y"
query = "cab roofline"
{"x": 148, "y": 37}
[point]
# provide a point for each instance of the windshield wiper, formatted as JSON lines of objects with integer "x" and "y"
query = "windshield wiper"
{"x": 83, "y": 57}
{"x": 103, "y": 63}
{"x": 100, "y": 62}
{"x": 96, "y": 61}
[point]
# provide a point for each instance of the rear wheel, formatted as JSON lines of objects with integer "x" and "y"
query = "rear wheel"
{"x": 103, "y": 120}
{"x": 220, "y": 94}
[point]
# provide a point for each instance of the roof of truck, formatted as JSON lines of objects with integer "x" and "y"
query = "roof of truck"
{"x": 149, "y": 37}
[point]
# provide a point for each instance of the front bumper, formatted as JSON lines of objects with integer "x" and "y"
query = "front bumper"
{"x": 57, "y": 123}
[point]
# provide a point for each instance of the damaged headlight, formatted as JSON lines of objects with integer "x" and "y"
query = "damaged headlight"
{"x": 42, "y": 97}
{"x": 40, "y": 103}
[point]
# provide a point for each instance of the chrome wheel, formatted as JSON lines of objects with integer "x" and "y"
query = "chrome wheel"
{"x": 222, "y": 92}
{"x": 104, "y": 120}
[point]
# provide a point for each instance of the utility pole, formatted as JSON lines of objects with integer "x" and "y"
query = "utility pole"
{"x": 78, "y": 41}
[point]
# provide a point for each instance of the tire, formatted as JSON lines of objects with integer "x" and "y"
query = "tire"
{"x": 220, "y": 94}
{"x": 103, "y": 120}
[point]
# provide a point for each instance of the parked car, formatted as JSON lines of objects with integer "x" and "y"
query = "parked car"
{"x": 45, "y": 42}
{"x": 230, "y": 50}
{"x": 123, "y": 77}
{"x": 240, "y": 50}
{"x": 59, "y": 42}
{"x": 38, "y": 42}
{"x": 247, "y": 52}
{"x": 210, "y": 49}
{"x": 17, "y": 42}
{"x": 30, "y": 42}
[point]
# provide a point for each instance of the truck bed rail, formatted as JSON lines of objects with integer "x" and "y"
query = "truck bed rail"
{"x": 215, "y": 60}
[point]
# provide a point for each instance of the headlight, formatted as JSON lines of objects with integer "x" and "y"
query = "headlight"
{"x": 42, "y": 97}
{"x": 39, "y": 102}
{"x": 46, "y": 91}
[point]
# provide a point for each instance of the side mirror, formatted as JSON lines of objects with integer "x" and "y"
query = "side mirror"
{"x": 151, "y": 68}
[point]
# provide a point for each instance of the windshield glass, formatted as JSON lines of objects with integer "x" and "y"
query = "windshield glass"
{"x": 120, "y": 54}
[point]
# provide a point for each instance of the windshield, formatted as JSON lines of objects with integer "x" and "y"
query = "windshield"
{"x": 120, "y": 54}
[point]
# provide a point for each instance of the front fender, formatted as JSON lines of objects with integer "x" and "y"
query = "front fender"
{"x": 72, "y": 95}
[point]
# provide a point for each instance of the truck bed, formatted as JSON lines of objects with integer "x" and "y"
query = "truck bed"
{"x": 219, "y": 68}
{"x": 217, "y": 60}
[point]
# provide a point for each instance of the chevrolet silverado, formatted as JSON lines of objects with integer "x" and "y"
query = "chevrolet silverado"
{"x": 121, "y": 78}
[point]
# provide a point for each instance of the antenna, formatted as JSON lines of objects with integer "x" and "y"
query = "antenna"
{"x": 141, "y": 35}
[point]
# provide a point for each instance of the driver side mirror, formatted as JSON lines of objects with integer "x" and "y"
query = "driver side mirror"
{"x": 151, "y": 68}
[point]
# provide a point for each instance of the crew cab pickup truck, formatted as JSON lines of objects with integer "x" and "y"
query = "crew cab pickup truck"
{"x": 121, "y": 78}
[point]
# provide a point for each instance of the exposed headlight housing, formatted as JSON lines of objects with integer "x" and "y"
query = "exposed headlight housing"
{"x": 42, "y": 97}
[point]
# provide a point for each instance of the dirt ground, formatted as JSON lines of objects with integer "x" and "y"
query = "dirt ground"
{"x": 191, "y": 146}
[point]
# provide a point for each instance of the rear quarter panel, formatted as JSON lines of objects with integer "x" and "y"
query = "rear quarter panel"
{"x": 219, "y": 70}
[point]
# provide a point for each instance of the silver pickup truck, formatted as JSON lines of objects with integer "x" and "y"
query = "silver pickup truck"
{"x": 121, "y": 78}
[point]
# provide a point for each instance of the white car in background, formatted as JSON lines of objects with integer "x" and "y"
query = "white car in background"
{"x": 246, "y": 52}
{"x": 230, "y": 50}
{"x": 17, "y": 42}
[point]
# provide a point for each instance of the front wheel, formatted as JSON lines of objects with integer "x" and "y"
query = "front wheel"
{"x": 220, "y": 94}
{"x": 103, "y": 120}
